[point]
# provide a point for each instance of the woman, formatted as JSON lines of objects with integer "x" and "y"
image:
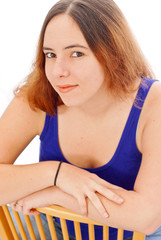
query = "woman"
{"x": 85, "y": 99}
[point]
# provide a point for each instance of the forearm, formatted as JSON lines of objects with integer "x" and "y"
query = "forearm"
{"x": 134, "y": 214}
{"x": 120, "y": 216}
{"x": 20, "y": 181}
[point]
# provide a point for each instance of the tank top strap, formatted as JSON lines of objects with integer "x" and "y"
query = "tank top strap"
{"x": 144, "y": 88}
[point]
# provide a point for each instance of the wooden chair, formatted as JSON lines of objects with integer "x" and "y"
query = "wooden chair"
{"x": 8, "y": 230}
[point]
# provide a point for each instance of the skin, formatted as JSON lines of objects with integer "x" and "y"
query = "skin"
{"x": 84, "y": 107}
{"x": 70, "y": 54}
{"x": 27, "y": 124}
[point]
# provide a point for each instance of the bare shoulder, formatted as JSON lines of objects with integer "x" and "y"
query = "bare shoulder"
{"x": 19, "y": 110}
{"x": 19, "y": 124}
{"x": 155, "y": 91}
{"x": 152, "y": 105}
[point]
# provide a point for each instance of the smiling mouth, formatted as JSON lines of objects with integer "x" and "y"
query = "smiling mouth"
{"x": 66, "y": 88}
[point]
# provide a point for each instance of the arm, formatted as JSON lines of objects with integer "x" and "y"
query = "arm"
{"x": 123, "y": 216}
{"x": 141, "y": 210}
{"x": 18, "y": 126}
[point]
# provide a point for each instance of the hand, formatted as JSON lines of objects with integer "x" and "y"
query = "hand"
{"x": 82, "y": 184}
{"x": 18, "y": 206}
{"x": 39, "y": 199}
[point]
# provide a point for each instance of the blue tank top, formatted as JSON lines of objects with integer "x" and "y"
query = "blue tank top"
{"x": 122, "y": 168}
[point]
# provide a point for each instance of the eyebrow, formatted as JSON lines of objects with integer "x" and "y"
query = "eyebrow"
{"x": 75, "y": 45}
{"x": 68, "y": 47}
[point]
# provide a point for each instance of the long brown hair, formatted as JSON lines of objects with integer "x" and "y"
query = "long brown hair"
{"x": 110, "y": 39}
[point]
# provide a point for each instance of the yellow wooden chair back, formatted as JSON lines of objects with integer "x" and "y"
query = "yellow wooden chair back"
{"x": 8, "y": 230}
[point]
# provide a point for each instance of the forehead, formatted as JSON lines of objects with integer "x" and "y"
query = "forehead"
{"x": 63, "y": 30}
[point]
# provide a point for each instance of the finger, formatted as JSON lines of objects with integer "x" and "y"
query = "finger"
{"x": 12, "y": 205}
{"x": 32, "y": 212}
{"x": 108, "y": 194}
{"x": 82, "y": 204}
{"x": 16, "y": 206}
{"x": 98, "y": 204}
{"x": 105, "y": 183}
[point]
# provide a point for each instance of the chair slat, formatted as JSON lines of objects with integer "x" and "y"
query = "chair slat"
{"x": 20, "y": 225}
{"x": 29, "y": 227}
{"x": 10, "y": 222}
{"x": 77, "y": 230}
{"x": 64, "y": 229}
{"x": 5, "y": 231}
{"x": 64, "y": 213}
{"x": 8, "y": 230}
{"x": 51, "y": 227}
{"x": 138, "y": 236}
{"x": 105, "y": 233}
{"x": 40, "y": 227}
{"x": 120, "y": 234}
{"x": 91, "y": 232}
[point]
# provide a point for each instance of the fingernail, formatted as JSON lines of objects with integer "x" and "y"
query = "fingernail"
{"x": 106, "y": 215}
{"x": 120, "y": 200}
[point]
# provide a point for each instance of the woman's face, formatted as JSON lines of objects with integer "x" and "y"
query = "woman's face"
{"x": 70, "y": 65}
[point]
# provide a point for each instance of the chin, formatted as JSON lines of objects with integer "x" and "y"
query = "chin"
{"x": 73, "y": 102}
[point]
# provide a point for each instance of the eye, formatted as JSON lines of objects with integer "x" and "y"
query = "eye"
{"x": 50, "y": 55}
{"x": 77, "y": 54}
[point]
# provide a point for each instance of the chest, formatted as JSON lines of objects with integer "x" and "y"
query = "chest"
{"x": 91, "y": 144}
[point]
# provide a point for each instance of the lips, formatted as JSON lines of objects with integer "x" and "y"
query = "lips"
{"x": 66, "y": 88}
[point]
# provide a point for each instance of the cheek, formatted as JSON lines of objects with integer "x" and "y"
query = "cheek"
{"x": 49, "y": 76}
{"x": 94, "y": 69}
{"x": 96, "y": 75}
{"x": 48, "y": 73}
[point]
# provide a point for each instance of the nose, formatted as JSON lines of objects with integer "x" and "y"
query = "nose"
{"x": 61, "y": 69}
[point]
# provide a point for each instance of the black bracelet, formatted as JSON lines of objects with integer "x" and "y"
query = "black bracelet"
{"x": 56, "y": 175}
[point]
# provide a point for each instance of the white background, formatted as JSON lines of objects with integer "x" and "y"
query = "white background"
{"x": 20, "y": 24}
